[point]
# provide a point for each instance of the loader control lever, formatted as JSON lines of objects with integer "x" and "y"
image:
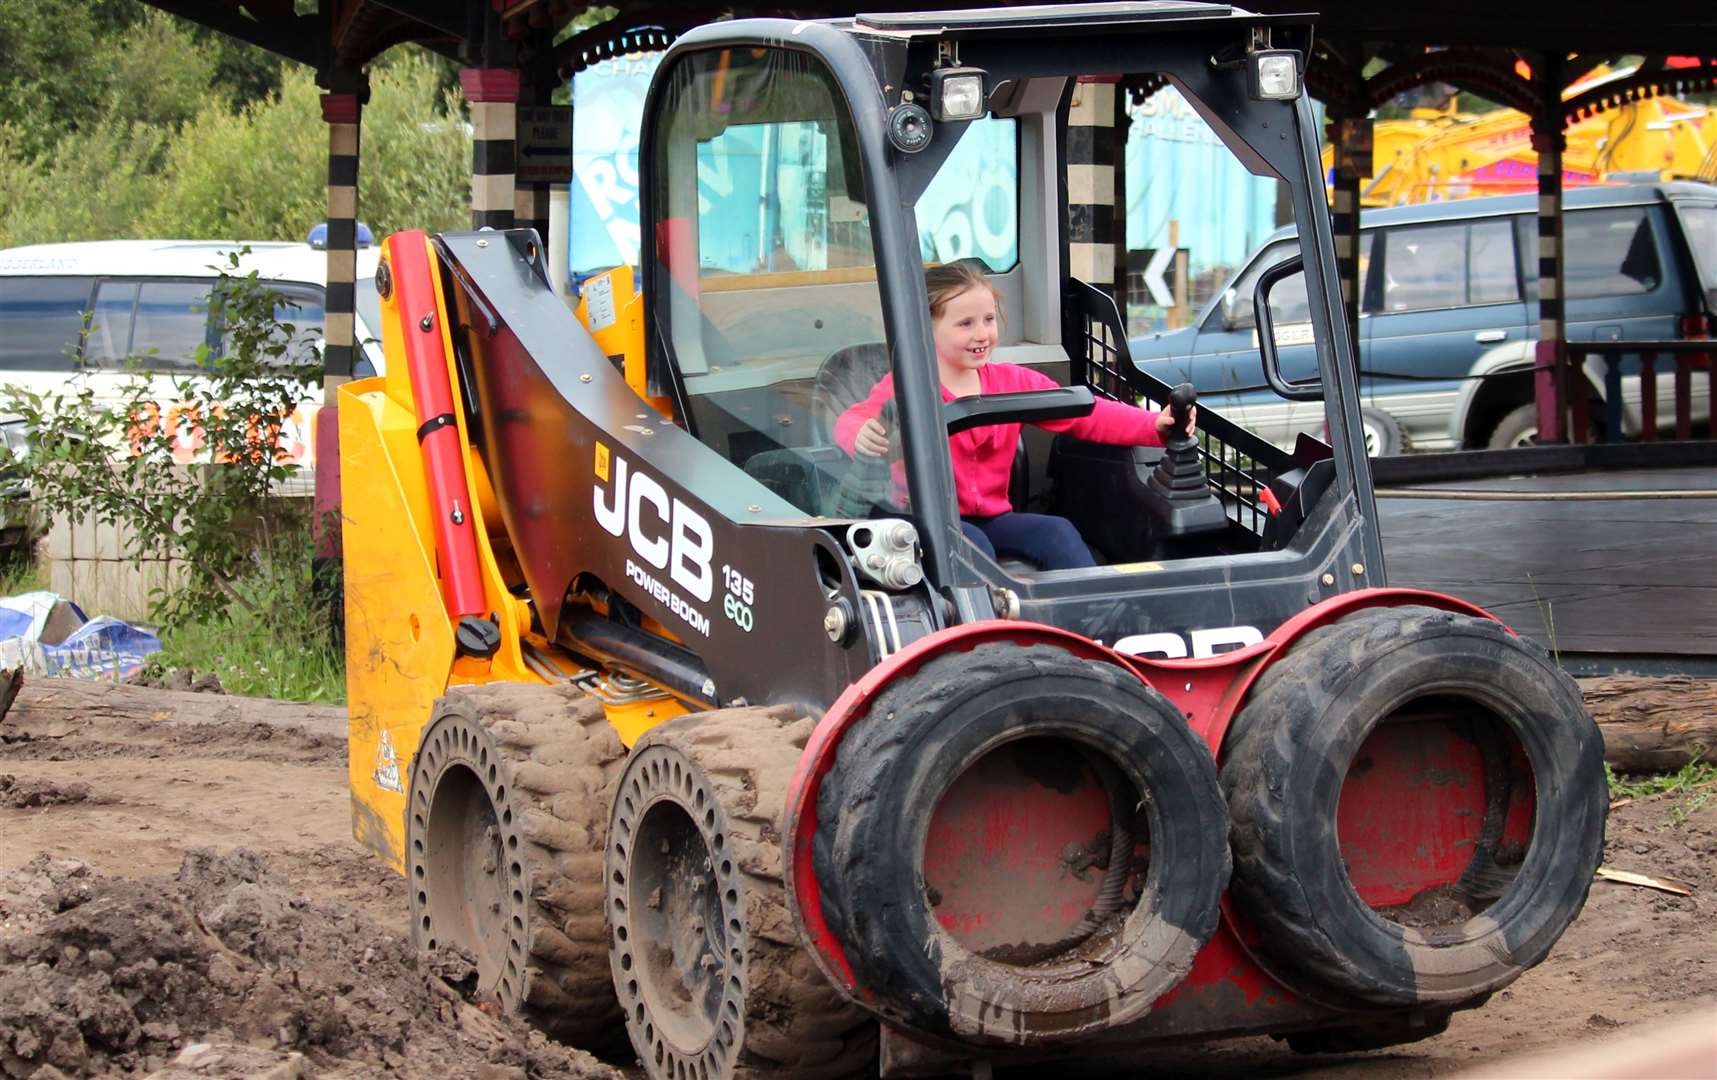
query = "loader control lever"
{"x": 1180, "y": 502}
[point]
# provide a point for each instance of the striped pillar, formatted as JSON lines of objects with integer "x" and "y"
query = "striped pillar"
{"x": 530, "y": 208}
{"x": 1091, "y": 216}
{"x": 493, "y": 95}
{"x": 341, "y": 112}
{"x": 1554, "y": 382}
{"x": 1344, "y": 223}
{"x": 1351, "y": 142}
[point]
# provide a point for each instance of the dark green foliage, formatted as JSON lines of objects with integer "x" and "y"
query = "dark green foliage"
{"x": 117, "y": 120}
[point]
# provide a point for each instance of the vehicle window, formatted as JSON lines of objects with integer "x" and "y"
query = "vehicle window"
{"x": 109, "y": 341}
{"x": 1288, "y": 302}
{"x": 1701, "y": 225}
{"x": 1425, "y": 266}
{"x": 1234, "y": 310}
{"x": 41, "y": 320}
{"x": 172, "y": 320}
{"x": 300, "y": 307}
{"x": 764, "y": 263}
{"x": 1491, "y": 276}
{"x": 971, "y": 208}
{"x": 1609, "y": 253}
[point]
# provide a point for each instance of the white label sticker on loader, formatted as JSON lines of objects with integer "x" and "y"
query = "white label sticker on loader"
{"x": 386, "y": 774}
{"x": 599, "y": 296}
{"x": 1204, "y": 643}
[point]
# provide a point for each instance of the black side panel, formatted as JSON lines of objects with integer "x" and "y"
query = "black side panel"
{"x": 591, "y": 481}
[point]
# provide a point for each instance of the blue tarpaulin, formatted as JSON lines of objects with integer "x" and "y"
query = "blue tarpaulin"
{"x": 46, "y": 634}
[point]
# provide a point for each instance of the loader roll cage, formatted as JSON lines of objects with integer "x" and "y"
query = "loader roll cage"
{"x": 873, "y": 66}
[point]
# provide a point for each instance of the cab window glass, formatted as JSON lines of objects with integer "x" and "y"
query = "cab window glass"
{"x": 300, "y": 307}
{"x": 1288, "y": 302}
{"x": 41, "y": 320}
{"x": 1425, "y": 267}
{"x": 971, "y": 208}
{"x": 770, "y": 308}
{"x": 172, "y": 321}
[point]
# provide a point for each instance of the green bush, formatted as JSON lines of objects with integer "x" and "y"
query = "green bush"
{"x": 262, "y": 174}
{"x": 256, "y": 174}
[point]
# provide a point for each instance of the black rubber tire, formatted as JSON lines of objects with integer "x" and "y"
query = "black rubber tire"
{"x": 891, "y": 770}
{"x": 773, "y": 1012}
{"x": 544, "y": 762}
{"x": 1283, "y": 766}
{"x": 1519, "y": 421}
{"x": 1391, "y": 439}
{"x": 1523, "y": 420}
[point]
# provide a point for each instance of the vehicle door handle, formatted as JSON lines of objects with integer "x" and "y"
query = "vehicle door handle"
{"x": 1488, "y": 337}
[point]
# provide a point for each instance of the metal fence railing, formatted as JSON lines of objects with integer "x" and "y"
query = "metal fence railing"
{"x": 1682, "y": 360}
{"x": 1237, "y": 463}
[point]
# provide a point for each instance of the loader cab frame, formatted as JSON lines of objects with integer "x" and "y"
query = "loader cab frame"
{"x": 851, "y": 79}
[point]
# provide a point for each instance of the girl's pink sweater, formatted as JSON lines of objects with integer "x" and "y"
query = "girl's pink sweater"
{"x": 983, "y": 456}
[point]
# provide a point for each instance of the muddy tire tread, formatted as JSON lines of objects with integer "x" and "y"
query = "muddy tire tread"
{"x": 564, "y": 759}
{"x": 873, "y": 749}
{"x": 797, "y": 1025}
{"x": 1257, "y": 765}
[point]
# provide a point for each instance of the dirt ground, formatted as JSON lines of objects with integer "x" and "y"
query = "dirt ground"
{"x": 164, "y": 886}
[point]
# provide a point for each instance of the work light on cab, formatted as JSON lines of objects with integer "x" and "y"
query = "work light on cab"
{"x": 1274, "y": 75}
{"x": 957, "y": 94}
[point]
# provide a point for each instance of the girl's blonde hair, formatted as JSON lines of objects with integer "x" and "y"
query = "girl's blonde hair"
{"x": 945, "y": 282}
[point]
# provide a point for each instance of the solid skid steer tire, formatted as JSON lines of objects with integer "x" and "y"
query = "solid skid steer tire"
{"x": 705, "y": 955}
{"x": 933, "y": 730}
{"x": 509, "y": 800}
{"x": 1288, "y": 756}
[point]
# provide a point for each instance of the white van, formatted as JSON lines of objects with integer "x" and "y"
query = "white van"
{"x": 149, "y": 300}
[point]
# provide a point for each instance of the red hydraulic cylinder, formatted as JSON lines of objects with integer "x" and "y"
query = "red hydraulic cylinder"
{"x": 408, "y": 257}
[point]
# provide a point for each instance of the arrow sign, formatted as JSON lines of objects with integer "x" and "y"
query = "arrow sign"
{"x": 1153, "y": 276}
{"x": 544, "y": 144}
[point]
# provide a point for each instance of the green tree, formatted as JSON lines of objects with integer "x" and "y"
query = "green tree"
{"x": 257, "y": 174}
{"x": 96, "y": 184}
{"x": 73, "y": 64}
{"x": 262, "y": 173}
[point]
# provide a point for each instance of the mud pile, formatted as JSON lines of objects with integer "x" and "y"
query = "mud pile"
{"x": 16, "y": 794}
{"x": 222, "y": 971}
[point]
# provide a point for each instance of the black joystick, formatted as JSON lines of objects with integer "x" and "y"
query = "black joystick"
{"x": 1180, "y": 502}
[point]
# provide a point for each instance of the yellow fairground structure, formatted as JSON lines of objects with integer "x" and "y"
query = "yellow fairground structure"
{"x": 1439, "y": 154}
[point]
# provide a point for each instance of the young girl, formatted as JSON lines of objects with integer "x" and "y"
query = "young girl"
{"x": 963, "y": 313}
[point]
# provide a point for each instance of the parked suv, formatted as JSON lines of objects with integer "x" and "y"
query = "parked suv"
{"x": 1449, "y": 291}
{"x": 148, "y": 300}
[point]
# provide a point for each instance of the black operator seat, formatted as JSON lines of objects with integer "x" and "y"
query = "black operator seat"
{"x": 849, "y": 375}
